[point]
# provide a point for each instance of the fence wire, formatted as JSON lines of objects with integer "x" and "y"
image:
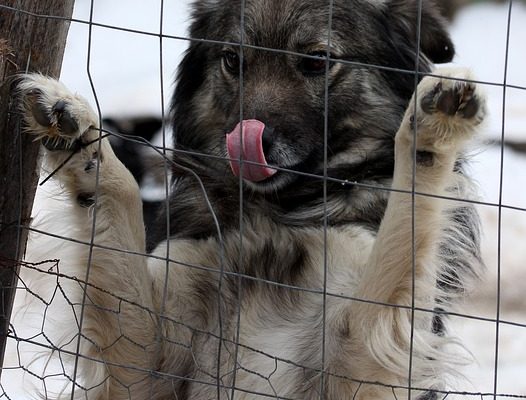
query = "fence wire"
{"x": 70, "y": 352}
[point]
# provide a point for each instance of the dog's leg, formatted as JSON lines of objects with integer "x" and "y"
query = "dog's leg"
{"x": 442, "y": 116}
{"x": 118, "y": 327}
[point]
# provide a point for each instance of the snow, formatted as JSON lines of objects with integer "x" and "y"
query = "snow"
{"x": 126, "y": 72}
{"x": 125, "y": 67}
{"x": 488, "y": 61}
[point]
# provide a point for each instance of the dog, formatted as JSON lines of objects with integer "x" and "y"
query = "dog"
{"x": 314, "y": 239}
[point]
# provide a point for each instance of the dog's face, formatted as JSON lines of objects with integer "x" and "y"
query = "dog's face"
{"x": 298, "y": 107}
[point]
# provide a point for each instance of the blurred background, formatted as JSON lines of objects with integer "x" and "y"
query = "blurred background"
{"x": 130, "y": 71}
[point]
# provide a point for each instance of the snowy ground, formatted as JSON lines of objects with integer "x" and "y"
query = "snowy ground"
{"x": 480, "y": 34}
{"x": 126, "y": 72}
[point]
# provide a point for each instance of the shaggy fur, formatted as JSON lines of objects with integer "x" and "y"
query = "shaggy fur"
{"x": 307, "y": 287}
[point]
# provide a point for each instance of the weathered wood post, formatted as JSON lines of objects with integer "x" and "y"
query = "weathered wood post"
{"x": 32, "y": 38}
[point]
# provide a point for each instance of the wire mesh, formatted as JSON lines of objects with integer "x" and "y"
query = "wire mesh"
{"x": 70, "y": 353}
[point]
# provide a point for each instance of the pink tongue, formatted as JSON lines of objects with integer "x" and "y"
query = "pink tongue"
{"x": 252, "y": 151}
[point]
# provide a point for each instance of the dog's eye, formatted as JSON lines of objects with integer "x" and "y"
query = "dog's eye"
{"x": 231, "y": 61}
{"x": 314, "y": 66}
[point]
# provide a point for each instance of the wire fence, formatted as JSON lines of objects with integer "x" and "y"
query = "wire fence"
{"x": 45, "y": 285}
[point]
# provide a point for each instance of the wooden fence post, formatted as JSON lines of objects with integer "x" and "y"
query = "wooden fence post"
{"x": 32, "y": 38}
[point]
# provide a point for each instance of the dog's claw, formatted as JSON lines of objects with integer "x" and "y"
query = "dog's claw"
{"x": 65, "y": 122}
{"x": 57, "y": 118}
{"x": 448, "y": 102}
{"x": 58, "y": 115}
{"x": 458, "y": 100}
{"x": 60, "y": 106}
{"x": 469, "y": 108}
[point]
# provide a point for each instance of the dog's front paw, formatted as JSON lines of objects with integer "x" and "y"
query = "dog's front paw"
{"x": 449, "y": 107}
{"x": 52, "y": 113}
{"x": 452, "y": 98}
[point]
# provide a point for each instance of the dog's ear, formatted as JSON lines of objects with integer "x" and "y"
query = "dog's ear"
{"x": 435, "y": 41}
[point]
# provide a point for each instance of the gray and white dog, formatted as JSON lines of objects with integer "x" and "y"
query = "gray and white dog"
{"x": 294, "y": 272}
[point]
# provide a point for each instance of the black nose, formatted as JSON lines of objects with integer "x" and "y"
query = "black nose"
{"x": 267, "y": 138}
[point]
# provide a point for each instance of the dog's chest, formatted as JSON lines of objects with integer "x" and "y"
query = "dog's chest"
{"x": 285, "y": 316}
{"x": 288, "y": 334}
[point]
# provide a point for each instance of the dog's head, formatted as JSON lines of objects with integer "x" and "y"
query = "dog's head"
{"x": 306, "y": 76}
